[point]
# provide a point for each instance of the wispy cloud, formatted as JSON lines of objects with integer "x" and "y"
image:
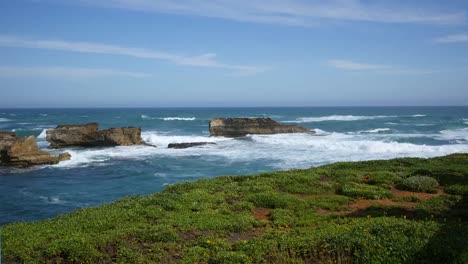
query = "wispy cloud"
{"x": 63, "y": 72}
{"x": 204, "y": 60}
{"x": 348, "y": 65}
{"x": 295, "y": 12}
{"x": 357, "y": 66}
{"x": 453, "y": 38}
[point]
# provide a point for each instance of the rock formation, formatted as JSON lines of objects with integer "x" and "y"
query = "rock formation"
{"x": 23, "y": 152}
{"x": 88, "y": 135}
{"x": 239, "y": 127}
{"x": 189, "y": 145}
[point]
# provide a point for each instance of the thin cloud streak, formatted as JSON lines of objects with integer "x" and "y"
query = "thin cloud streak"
{"x": 291, "y": 12}
{"x": 353, "y": 66}
{"x": 204, "y": 60}
{"x": 356, "y": 66}
{"x": 453, "y": 38}
{"x": 64, "y": 72}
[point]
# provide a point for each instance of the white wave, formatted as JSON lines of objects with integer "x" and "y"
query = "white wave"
{"x": 170, "y": 118}
{"x": 159, "y": 140}
{"x": 391, "y": 123}
{"x": 418, "y": 115}
{"x": 43, "y": 115}
{"x": 454, "y": 134}
{"x": 377, "y": 130}
{"x": 4, "y": 119}
{"x": 281, "y": 151}
{"x": 178, "y": 118}
{"x": 423, "y": 125}
{"x": 146, "y": 117}
{"x": 43, "y": 134}
{"x": 336, "y": 118}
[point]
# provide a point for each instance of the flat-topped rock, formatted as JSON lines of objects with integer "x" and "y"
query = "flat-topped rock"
{"x": 239, "y": 127}
{"x": 23, "y": 152}
{"x": 89, "y": 135}
{"x": 189, "y": 145}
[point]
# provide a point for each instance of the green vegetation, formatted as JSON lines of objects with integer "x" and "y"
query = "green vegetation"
{"x": 339, "y": 213}
{"x": 419, "y": 184}
{"x": 364, "y": 191}
{"x": 457, "y": 189}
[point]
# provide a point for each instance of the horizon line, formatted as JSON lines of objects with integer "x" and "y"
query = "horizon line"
{"x": 175, "y": 107}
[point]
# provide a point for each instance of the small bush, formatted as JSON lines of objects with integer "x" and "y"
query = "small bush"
{"x": 364, "y": 191}
{"x": 457, "y": 189}
{"x": 273, "y": 200}
{"x": 419, "y": 184}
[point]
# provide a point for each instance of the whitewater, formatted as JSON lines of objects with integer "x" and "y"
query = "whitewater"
{"x": 100, "y": 175}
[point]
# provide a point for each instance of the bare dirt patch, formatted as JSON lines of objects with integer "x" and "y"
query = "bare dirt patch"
{"x": 420, "y": 196}
{"x": 260, "y": 213}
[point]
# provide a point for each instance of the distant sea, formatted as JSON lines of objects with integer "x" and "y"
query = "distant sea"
{"x": 102, "y": 175}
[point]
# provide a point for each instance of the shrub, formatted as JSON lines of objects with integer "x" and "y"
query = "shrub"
{"x": 457, "y": 189}
{"x": 273, "y": 200}
{"x": 419, "y": 184}
{"x": 364, "y": 191}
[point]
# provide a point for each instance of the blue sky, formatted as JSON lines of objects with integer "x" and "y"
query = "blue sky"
{"x": 152, "y": 53}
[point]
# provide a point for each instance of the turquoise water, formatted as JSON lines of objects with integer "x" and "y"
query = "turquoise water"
{"x": 100, "y": 175}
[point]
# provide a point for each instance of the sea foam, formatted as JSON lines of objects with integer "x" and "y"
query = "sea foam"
{"x": 178, "y": 118}
{"x": 43, "y": 134}
{"x": 336, "y": 118}
{"x": 281, "y": 151}
{"x": 170, "y": 118}
{"x": 377, "y": 130}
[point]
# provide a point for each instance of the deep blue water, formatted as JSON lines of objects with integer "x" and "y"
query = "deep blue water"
{"x": 96, "y": 176}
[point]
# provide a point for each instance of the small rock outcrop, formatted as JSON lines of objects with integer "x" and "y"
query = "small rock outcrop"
{"x": 189, "y": 145}
{"x": 239, "y": 127}
{"x": 23, "y": 152}
{"x": 89, "y": 135}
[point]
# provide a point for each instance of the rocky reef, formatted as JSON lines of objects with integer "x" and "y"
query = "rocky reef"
{"x": 89, "y": 135}
{"x": 189, "y": 145}
{"x": 23, "y": 152}
{"x": 239, "y": 127}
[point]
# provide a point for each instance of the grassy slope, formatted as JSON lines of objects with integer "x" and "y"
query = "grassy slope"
{"x": 296, "y": 216}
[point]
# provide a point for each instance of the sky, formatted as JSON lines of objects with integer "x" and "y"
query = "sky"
{"x": 200, "y": 53}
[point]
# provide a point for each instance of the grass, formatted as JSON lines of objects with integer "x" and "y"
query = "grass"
{"x": 296, "y": 216}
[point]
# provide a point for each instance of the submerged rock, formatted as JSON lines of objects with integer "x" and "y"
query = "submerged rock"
{"x": 23, "y": 152}
{"x": 88, "y": 135}
{"x": 239, "y": 127}
{"x": 189, "y": 145}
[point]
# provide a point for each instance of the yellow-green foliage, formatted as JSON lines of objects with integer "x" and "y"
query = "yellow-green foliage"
{"x": 306, "y": 219}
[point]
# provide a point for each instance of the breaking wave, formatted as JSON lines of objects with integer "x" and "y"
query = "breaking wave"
{"x": 281, "y": 151}
{"x": 43, "y": 134}
{"x": 336, "y": 118}
{"x": 377, "y": 130}
{"x": 178, "y": 118}
{"x": 168, "y": 118}
{"x": 4, "y": 119}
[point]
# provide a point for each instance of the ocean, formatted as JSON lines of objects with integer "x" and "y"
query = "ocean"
{"x": 101, "y": 175}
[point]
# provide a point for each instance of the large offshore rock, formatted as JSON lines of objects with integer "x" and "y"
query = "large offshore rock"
{"x": 88, "y": 135}
{"x": 23, "y": 152}
{"x": 239, "y": 127}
